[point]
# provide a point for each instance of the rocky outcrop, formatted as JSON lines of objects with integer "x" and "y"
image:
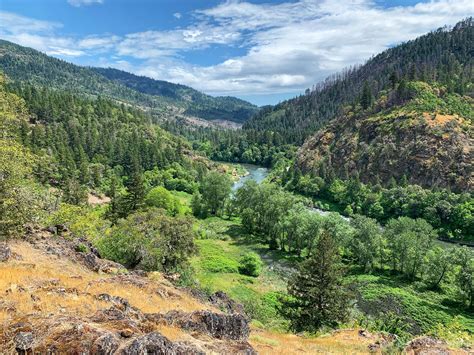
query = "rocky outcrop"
{"x": 155, "y": 343}
{"x": 5, "y": 252}
{"x": 69, "y": 314}
{"x": 427, "y": 346}
{"x": 221, "y": 326}
{"x": 431, "y": 149}
{"x": 222, "y": 301}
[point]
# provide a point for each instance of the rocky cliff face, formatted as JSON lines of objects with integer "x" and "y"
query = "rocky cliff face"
{"x": 429, "y": 139}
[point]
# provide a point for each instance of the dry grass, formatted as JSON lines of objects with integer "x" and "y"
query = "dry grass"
{"x": 44, "y": 284}
{"x": 439, "y": 119}
{"x": 342, "y": 342}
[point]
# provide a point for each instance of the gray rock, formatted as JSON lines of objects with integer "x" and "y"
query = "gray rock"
{"x": 23, "y": 341}
{"x": 156, "y": 344}
{"x": 106, "y": 344}
{"x": 5, "y": 252}
{"x": 220, "y": 326}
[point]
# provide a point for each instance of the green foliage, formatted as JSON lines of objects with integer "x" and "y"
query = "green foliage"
{"x": 82, "y": 221}
{"x": 316, "y": 295}
{"x": 409, "y": 240}
{"x": 367, "y": 245}
{"x": 20, "y": 200}
{"x": 159, "y": 197}
{"x": 215, "y": 259}
{"x": 150, "y": 240}
{"x": 465, "y": 275}
{"x": 250, "y": 264}
{"x": 214, "y": 191}
{"x": 437, "y": 266}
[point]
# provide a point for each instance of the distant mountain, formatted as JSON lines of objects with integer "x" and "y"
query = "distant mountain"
{"x": 194, "y": 102}
{"x": 164, "y": 99}
{"x": 444, "y": 56}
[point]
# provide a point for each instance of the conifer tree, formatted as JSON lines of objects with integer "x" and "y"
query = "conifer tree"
{"x": 366, "y": 98}
{"x": 317, "y": 296}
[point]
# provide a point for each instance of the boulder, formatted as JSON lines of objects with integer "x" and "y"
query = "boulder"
{"x": 221, "y": 300}
{"x": 426, "y": 345}
{"x": 105, "y": 344}
{"x": 5, "y": 252}
{"x": 23, "y": 341}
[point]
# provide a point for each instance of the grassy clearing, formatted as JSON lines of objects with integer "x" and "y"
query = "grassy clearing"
{"x": 217, "y": 269}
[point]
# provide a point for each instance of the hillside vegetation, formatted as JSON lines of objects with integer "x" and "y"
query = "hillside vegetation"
{"x": 164, "y": 99}
{"x": 428, "y": 139}
{"x": 443, "y": 56}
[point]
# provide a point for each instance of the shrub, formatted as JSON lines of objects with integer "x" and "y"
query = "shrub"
{"x": 150, "y": 240}
{"x": 250, "y": 265}
{"x": 160, "y": 197}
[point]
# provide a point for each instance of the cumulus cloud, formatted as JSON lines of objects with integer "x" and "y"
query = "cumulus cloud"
{"x": 78, "y": 3}
{"x": 286, "y": 47}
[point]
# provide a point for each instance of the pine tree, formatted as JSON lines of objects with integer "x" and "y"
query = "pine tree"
{"x": 366, "y": 98}
{"x": 317, "y": 295}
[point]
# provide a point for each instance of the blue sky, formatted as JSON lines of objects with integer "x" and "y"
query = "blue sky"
{"x": 262, "y": 51}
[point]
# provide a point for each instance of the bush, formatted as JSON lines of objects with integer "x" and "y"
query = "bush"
{"x": 150, "y": 240}
{"x": 160, "y": 197}
{"x": 250, "y": 265}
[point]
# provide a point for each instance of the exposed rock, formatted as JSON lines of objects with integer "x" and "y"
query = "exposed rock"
{"x": 105, "y": 344}
{"x": 5, "y": 252}
{"x": 431, "y": 149}
{"x": 155, "y": 343}
{"x": 23, "y": 341}
{"x": 93, "y": 262}
{"x": 427, "y": 346}
{"x": 221, "y": 326}
{"x": 221, "y": 300}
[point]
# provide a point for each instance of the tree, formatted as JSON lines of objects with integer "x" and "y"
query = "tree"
{"x": 366, "y": 99}
{"x": 135, "y": 196}
{"x": 437, "y": 264}
{"x": 408, "y": 241}
{"x": 367, "y": 242}
{"x": 159, "y": 197}
{"x": 317, "y": 296}
{"x": 465, "y": 274}
{"x": 215, "y": 190}
{"x": 18, "y": 198}
{"x": 150, "y": 240}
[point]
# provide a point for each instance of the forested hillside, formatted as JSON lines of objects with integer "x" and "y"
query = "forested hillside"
{"x": 444, "y": 56}
{"x": 162, "y": 98}
{"x": 194, "y": 102}
{"x": 418, "y": 132}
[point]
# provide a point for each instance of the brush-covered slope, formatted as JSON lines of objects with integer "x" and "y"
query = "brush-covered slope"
{"x": 426, "y": 136}
{"x": 445, "y": 56}
{"x": 165, "y": 99}
{"x": 195, "y": 103}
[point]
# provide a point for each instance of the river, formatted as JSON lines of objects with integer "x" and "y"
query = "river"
{"x": 259, "y": 173}
{"x": 255, "y": 172}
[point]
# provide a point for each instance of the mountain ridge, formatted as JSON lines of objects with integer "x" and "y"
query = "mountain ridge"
{"x": 27, "y": 65}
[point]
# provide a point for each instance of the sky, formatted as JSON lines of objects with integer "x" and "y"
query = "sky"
{"x": 261, "y": 51}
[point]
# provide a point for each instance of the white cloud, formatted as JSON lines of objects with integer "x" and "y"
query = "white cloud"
{"x": 286, "y": 47}
{"x": 78, "y": 3}
{"x": 177, "y": 15}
